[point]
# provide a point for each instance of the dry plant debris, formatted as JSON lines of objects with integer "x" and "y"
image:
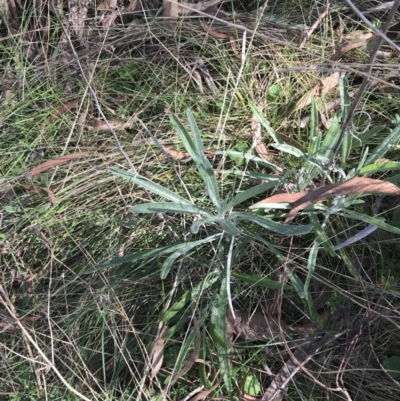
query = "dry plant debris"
{"x": 356, "y": 186}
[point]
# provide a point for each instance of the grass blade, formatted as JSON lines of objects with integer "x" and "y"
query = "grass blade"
{"x": 149, "y": 185}
{"x": 291, "y": 150}
{"x": 260, "y": 281}
{"x": 381, "y": 150}
{"x": 148, "y": 254}
{"x": 371, "y": 220}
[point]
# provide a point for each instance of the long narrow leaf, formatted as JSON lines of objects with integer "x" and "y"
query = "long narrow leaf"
{"x": 190, "y": 295}
{"x": 321, "y": 234}
{"x": 265, "y": 123}
{"x": 250, "y": 193}
{"x": 168, "y": 207}
{"x": 195, "y": 133}
{"x": 194, "y": 147}
{"x": 148, "y": 254}
{"x": 149, "y": 185}
{"x": 260, "y": 281}
{"x": 291, "y": 150}
{"x": 250, "y": 157}
{"x": 312, "y": 258}
{"x": 279, "y": 228}
{"x": 379, "y": 167}
{"x": 186, "y": 139}
{"x": 381, "y": 150}
{"x": 218, "y": 321}
{"x": 183, "y": 251}
{"x": 371, "y": 220}
{"x": 345, "y": 102}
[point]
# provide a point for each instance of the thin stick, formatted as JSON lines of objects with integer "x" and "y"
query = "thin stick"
{"x": 314, "y": 26}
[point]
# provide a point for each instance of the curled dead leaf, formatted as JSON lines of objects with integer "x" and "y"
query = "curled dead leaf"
{"x": 324, "y": 86}
{"x": 158, "y": 354}
{"x": 55, "y": 162}
{"x": 258, "y": 144}
{"x": 355, "y": 186}
{"x": 37, "y": 188}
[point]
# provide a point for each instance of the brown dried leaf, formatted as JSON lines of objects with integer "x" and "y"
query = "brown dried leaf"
{"x": 107, "y": 5}
{"x": 283, "y": 198}
{"x": 55, "y": 162}
{"x": 204, "y": 394}
{"x": 352, "y": 41}
{"x": 170, "y": 13}
{"x": 158, "y": 355}
{"x": 304, "y": 199}
{"x": 115, "y": 125}
{"x": 57, "y": 112}
{"x": 193, "y": 358}
{"x": 258, "y": 144}
{"x": 77, "y": 17}
{"x": 36, "y": 188}
{"x": 322, "y": 88}
{"x": 174, "y": 154}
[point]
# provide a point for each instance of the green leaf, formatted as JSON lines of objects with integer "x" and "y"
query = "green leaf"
{"x": 252, "y": 386}
{"x": 275, "y": 92}
{"x": 384, "y": 146}
{"x": 313, "y": 123}
{"x": 168, "y": 207}
{"x": 188, "y": 246}
{"x": 260, "y": 282}
{"x": 265, "y": 123}
{"x": 218, "y": 332}
{"x": 149, "y": 185}
{"x": 252, "y": 174}
{"x": 250, "y": 157}
{"x": 378, "y": 167}
{"x": 297, "y": 284}
{"x": 321, "y": 234}
{"x": 241, "y": 147}
{"x": 186, "y": 139}
{"x": 312, "y": 258}
{"x": 370, "y": 133}
{"x": 392, "y": 365}
{"x": 250, "y": 193}
{"x": 271, "y": 225}
{"x": 148, "y": 254}
{"x": 191, "y": 295}
{"x": 291, "y": 150}
{"x": 194, "y": 147}
{"x": 331, "y": 136}
{"x": 345, "y": 102}
{"x": 371, "y": 220}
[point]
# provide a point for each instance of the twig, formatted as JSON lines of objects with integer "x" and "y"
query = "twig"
{"x": 314, "y": 26}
